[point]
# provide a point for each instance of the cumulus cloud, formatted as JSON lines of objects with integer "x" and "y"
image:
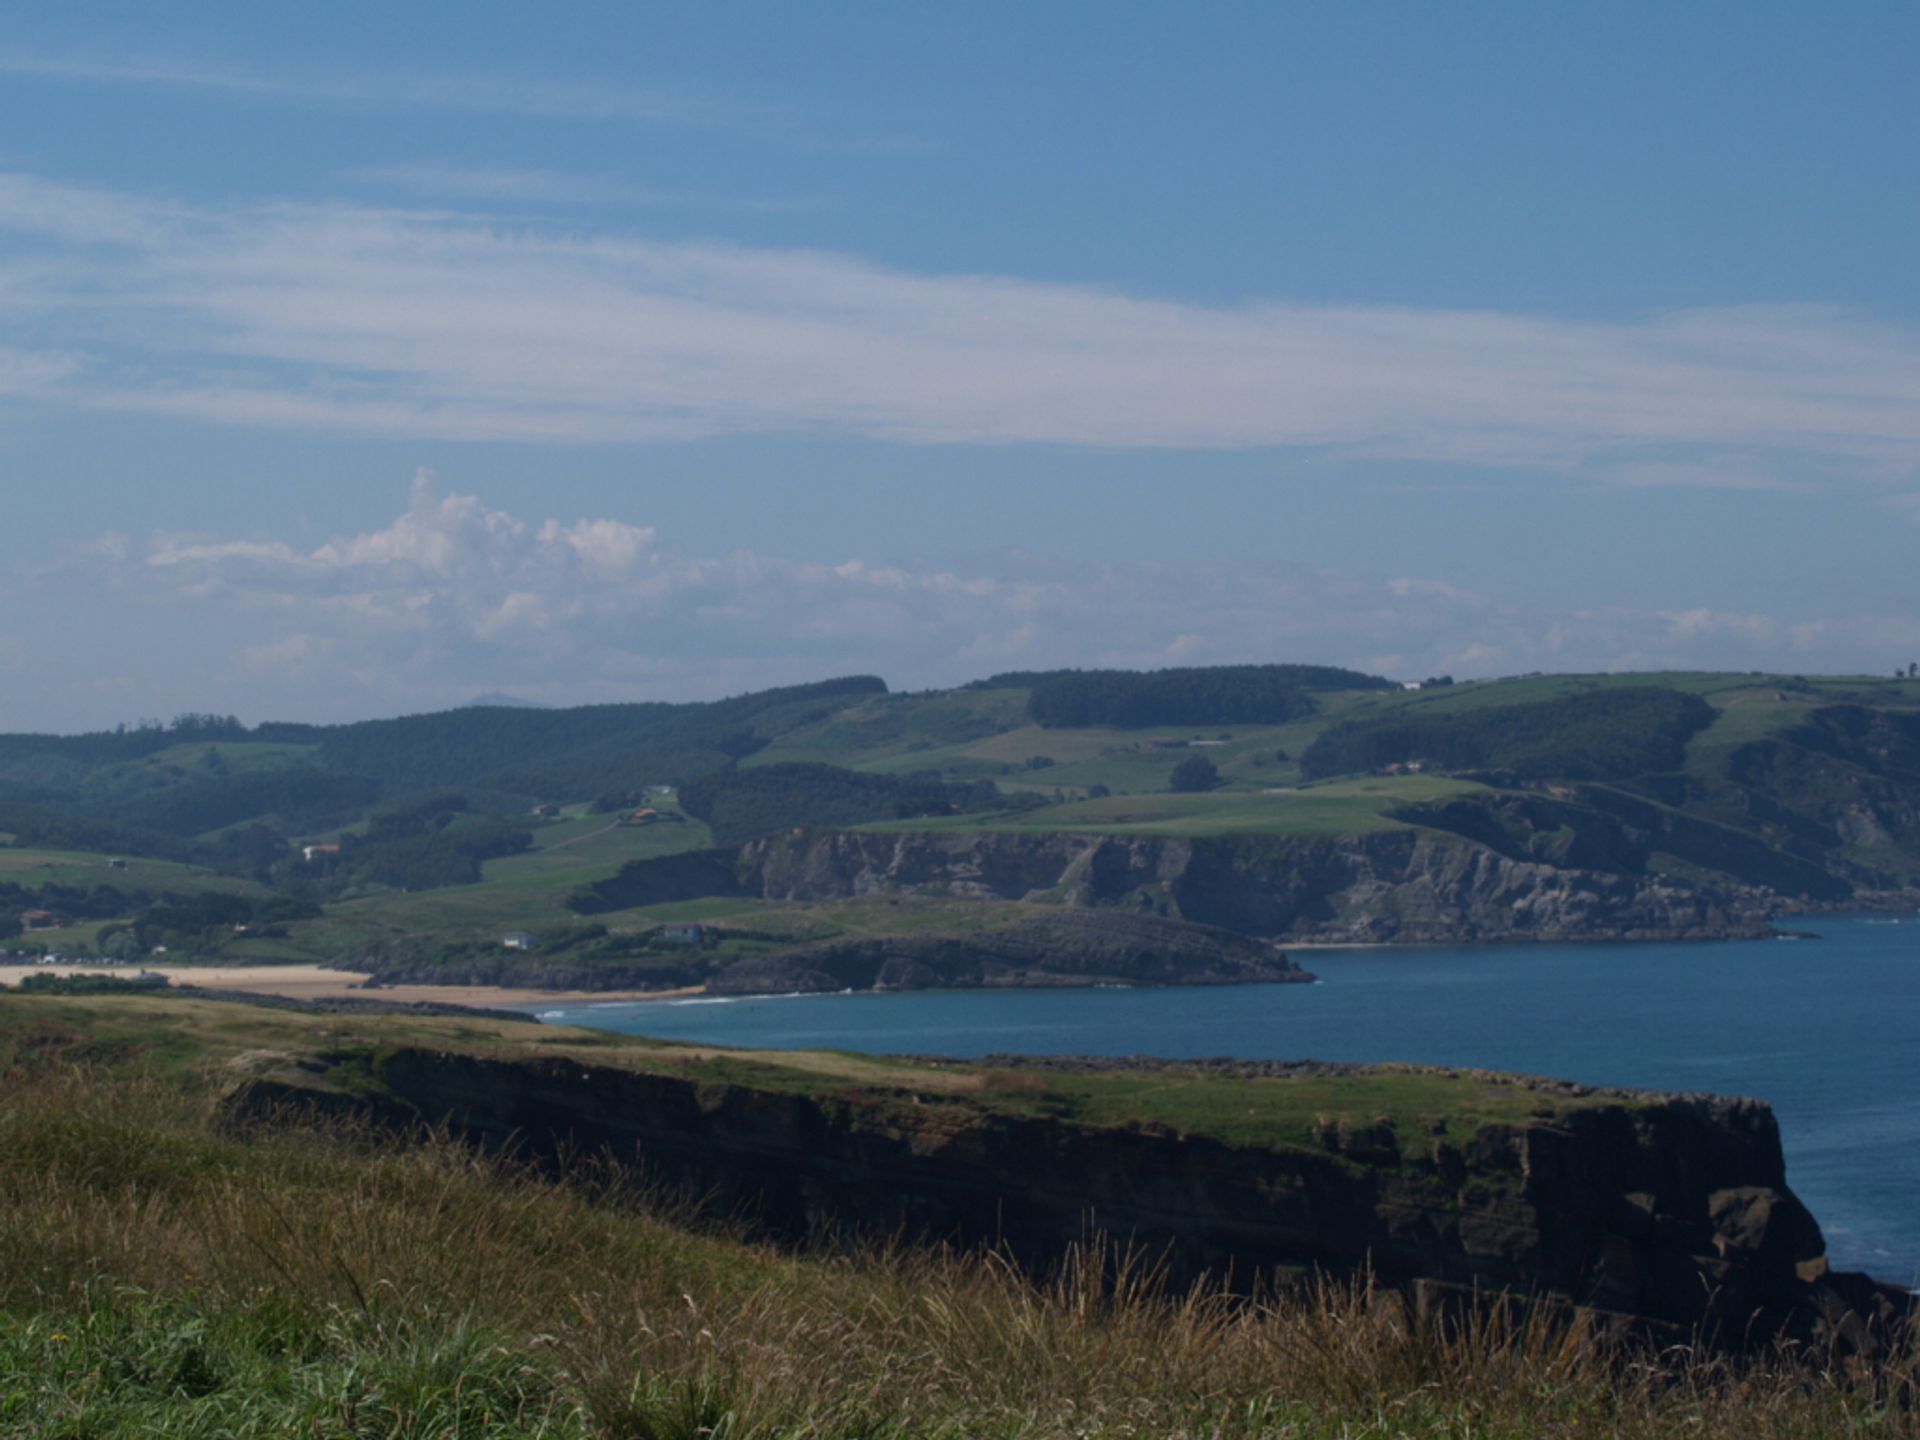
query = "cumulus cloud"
{"x": 452, "y": 597}
{"x": 429, "y": 323}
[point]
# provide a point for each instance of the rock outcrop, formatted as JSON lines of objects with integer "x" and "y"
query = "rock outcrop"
{"x": 1673, "y": 1210}
{"x": 1071, "y": 947}
{"x": 1414, "y": 884}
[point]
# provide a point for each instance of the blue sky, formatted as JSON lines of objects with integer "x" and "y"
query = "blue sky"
{"x": 355, "y": 362}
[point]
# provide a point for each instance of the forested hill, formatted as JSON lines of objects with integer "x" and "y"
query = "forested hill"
{"x": 1808, "y": 786}
{"x": 202, "y": 774}
{"x": 580, "y": 752}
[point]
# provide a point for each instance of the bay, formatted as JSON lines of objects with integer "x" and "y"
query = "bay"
{"x": 1826, "y": 1029}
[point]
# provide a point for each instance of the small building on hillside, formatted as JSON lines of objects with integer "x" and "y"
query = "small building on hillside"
{"x": 116, "y": 864}
{"x": 40, "y": 920}
{"x": 546, "y": 811}
{"x": 683, "y": 934}
{"x": 519, "y": 940}
{"x": 646, "y": 815}
{"x": 310, "y": 853}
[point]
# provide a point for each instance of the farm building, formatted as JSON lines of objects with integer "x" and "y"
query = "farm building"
{"x": 519, "y": 940}
{"x": 682, "y": 934}
{"x": 40, "y": 920}
{"x": 310, "y": 853}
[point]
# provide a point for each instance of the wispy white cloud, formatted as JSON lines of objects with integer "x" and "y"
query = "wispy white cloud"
{"x": 398, "y": 322}
{"x": 502, "y": 185}
{"x": 390, "y": 90}
{"x": 453, "y": 597}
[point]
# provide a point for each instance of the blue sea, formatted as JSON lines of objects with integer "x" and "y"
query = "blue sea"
{"x": 1827, "y": 1029}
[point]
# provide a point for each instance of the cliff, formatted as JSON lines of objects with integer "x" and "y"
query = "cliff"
{"x": 1413, "y": 884}
{"x": 1672, "y": 1210}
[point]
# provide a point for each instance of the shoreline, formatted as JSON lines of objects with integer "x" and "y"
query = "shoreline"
{"x": 320, "y": 982}
{"x": 311, "y": 981}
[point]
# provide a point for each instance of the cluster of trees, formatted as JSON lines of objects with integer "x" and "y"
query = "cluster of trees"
{"x": 35, "y": 827}
{"x": 1211, "y": 695}
{"x": 1193, "y": 775}
{"x": 125, "y": 742}
{"x": 208, "y": 919}
{"x": 1607, "y": 734}
{"x": 301, "y": 798}
{"x": 46, "y": 984}
{"x": 426, "y": 844}
{"x": 738, "y": 804}
{"x": 74, "y": 902}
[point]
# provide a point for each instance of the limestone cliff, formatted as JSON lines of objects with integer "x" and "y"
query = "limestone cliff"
{"x": 1413, "y": 884}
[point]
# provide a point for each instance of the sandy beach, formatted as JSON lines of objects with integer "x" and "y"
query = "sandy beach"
{"x": 318, "y": 982}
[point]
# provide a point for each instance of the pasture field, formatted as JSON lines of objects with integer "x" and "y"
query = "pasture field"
{"x": 519, "y": 892}
{"x": 34, "y": 869}
{"x": 1341, "y": 807}
{"x": 900, "y": 730}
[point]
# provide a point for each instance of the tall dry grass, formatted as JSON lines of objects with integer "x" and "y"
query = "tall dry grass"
{"x": 322, "y": 1281}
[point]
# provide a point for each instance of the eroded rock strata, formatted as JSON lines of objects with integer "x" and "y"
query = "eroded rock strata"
{"x": 1671, "y": 1209}
{"x": 1410, "y": 885}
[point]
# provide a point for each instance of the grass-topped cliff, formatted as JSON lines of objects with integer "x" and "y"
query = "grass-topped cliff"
{"x": 171, "y": 1266}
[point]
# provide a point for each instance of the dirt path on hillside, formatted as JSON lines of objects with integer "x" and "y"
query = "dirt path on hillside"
{"x": 577, "y": 839}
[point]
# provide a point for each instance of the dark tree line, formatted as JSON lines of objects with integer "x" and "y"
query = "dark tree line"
{"x": 426, "y": 844}
{"x": 1607, "y": 734}
{"x": 581, "y": 752}
{"x": 1211, "y": 695}
{"x": 34, "y": 827}
{"x": 298, "y": 798}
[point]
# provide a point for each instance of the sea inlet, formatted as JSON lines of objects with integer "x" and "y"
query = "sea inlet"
{"x": 1827, "y": 1029}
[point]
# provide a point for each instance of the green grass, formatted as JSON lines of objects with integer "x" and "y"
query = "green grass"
{"x": 162, "y": 1278}
{"x": 900, "y": 731}
{"x": 198, "y": 1040}
{"x": 526, "y": 891}
{"x": 36, "y": 868}
{"x": 1346, "y": 807}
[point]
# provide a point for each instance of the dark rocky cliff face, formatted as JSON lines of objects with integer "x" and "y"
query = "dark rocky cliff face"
{"x": 1669, "y": 1209}
{"x": 1404, "y": 885}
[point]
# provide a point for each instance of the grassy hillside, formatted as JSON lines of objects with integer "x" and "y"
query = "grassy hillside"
{"x": 1349, "y": 807}
{"x": 162, "y": 1277}
{"x": 1810, "y": 785}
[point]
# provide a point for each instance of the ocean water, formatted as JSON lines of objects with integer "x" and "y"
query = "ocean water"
{"x": 1826, "y": 1029}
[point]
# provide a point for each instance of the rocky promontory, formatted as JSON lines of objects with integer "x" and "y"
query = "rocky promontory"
{"x": 1667, "y": 1210}
{"x": 1072, "y": 947}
